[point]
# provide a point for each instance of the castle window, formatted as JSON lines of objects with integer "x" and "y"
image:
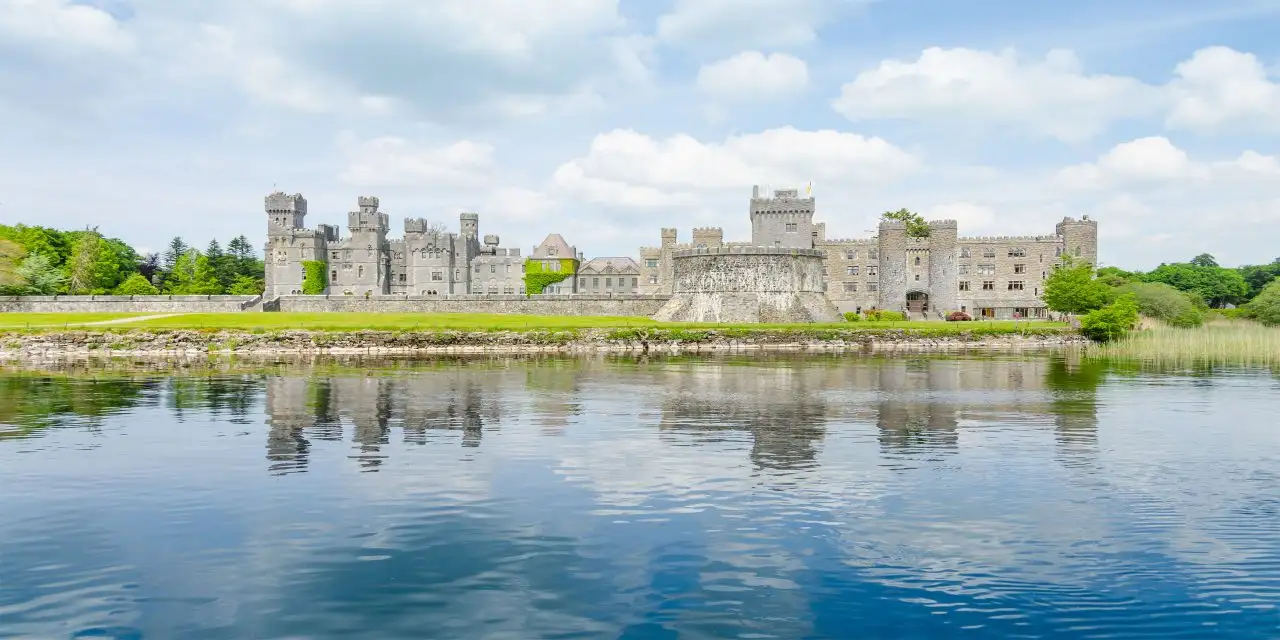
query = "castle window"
{"x": 986, "y": 269}
{"x": 917, "y": 277}
{"x": 437, "y": 276}
{"x": 477, "y": 268}
{"x": 851, "y": 254}
{"x": 595, "y": 283}
{"x": 521, "y": 267}
{"x": 508, "y": 290}
{"x": 653, "y": 278}
{"x": 874, "y": 254}
{"x": 608, "y": 282}
{"x": 635, "y": 282}
{"x": 852, "y": 270}
{"x": 1017, "y": 252}
{"x": 873, "y": 286}
{"x": 962, "y": 270}
{"x": 964, "y": 252}
{"x": 1021, "y": 312}
{"x": 791, "y": 227}
{"x": 333, "y": 276}
{"x": 493, "y": 268}
{"x": 582, "y": 283}
{"x": 1017, "y": 285}
{"x": 964, "y": 285}
{"x": 850, "y": 287}
{"x": 508, "y": 268}
{"x": 457, "y": 274}
{"x": 402, "y": 278}
{"x": 1057, "y": 253}
{"x": 1019, "y": 268}
{"x": 871, "y": 270}
{"x": 652, "y": 263}
{"x": 360, "y": 272}
{"x": 335, "y": 255}
{"x": 988, "y": 285}
{"x": 988, "y": 252}
{"x": 917, "y": 261}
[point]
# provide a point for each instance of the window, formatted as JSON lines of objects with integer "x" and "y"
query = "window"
{"x": 347, "y": 266}
{"x": 652, "y": 263}
{"x": 964, "y": 252}
{"x": 551, "y": 251}
{"x": 791, "y": 227}
{"x": 989, "y": 252}
{"x": 595, "y": 283}
{"x": 988, "y": 285}
{"x": 653, "y": 278}
{"x": 917, "y": 277}
{"x": 402, "y": 278}
{"x": 873, "y": 286}
{"x": 871, "y": 270}
{"x": 851, "y": 254}
{"x": 361, "y": 272}
{"x": 964, "y": 285}
{"x": 1017, "y": 252}
{"x": 521, "y": 268}
{"x": 551, "y": 265}
{"x": 853, "y": 271}
{"x": 1021, "y": 312}
{"x": 608, "y": 282}
{"x": 1017, "y": 285}
{"x": 1019, "y": 268}
{"x": 477, "y": 268}
{"x": 1039, "y": 312}
{"x": 437, "y": 276}
{"x": 635, "y": 282}
{"x": 917, "y": 261}
{"x": 493, "y": 268}
{"x": 986, "y": 269}
{"x": 850, "y": 287}
{"x": 1057, "y": 253}
{"x": 508, "y": 290}
{"x": 508, "y": 268}
{"x": 333, "y": 276}
{"x": 963, "y": 270}
{"x": 582, "y": 283}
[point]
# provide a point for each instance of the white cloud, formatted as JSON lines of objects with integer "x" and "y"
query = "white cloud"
{"x": 1218, "y": 87}
{"x": 731, "y": 24}
{"x": 1053, "y": 95}
{"x": 61, "y": 24}
{"x": 394, "y": 162}
{"x": 973, "y": 219}
{"x": 1156, "y": 161}
{"x": 752, "y": 74}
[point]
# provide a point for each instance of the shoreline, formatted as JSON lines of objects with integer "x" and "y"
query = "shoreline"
{"x": 171, "y": 343}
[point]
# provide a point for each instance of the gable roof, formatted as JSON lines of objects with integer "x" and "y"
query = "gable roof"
{"x": 622, "y": 265}
{"x": 554, "y": 240}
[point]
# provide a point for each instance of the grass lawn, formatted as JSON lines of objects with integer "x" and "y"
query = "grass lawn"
{"x": 454, "y": 321}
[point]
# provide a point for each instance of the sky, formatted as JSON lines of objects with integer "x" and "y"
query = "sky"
{"x": 606, "y": 120}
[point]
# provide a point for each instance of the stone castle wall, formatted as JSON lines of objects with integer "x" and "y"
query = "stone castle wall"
{"x": 747, "y": 284}
{"x": 559, "y": 305}
{"x": 128, "y": 304}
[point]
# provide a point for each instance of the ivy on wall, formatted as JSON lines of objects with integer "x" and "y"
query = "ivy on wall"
{"x": 537, "y": 277}
{"x": 315, "y": 279}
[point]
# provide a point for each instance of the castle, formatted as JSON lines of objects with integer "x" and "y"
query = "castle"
{"x": 925, "y": 277}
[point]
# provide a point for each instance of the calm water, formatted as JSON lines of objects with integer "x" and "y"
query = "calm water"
{"x": 787, "y": 498}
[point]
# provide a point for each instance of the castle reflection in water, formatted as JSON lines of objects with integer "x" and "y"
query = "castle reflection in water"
{"x": 787, "y": 407}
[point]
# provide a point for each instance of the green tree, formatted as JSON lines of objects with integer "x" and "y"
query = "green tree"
{"x": 38, "y": 276}
{"x": 224, "y": 266}
{"x": 246, "y": 286}
{"x": 136, "y": 285}
{"x": 11, "y": 255}
{"x": 1266, "y": 307}
{"x": 182, "y": 275}
{"x": 1259, "y": 276}
{"x": 1163, "y": 302}
{"x": 95, "y": 265}
{"x": 916, "y": 225}
{"x": 53, "y": 244}
{"x": 1071, "y": 288}
{"x": 1112, "y": 321}
{"x": 1205, "y": 260}
{"x": 177, "y": 248}
{"x": 1116, "y": 277}
{"x": 1216, "y": 285}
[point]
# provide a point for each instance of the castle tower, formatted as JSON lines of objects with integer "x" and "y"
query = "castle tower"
{"x": 893, "y": 265}
{"x": 290, "y": 243}
{"x": 469, "y": 223}
{"x": 1079, "y": 238}
{"x": 285, "y": 211}
{"x": 943, "y": 282}
{"x": 784, "y": 220}
{"x": 708, "y": 237}
{"x": 669, "y": 236}
{"x": 370, "y": 271}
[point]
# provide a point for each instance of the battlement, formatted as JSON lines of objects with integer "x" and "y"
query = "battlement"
{"x": 471, "y": 217}
{"x": 848, "y": 241}
{"x": 367, "y": 220}
{"x": 281, "y": 202}
{"x": 1083, "y": 220}
{"x": 989, "y": 239}
{"x": 708, "y": 230}
{"x": 415, "y": 225}
{"x": 368, "y": 203}
{"x": 739, "y": 250}
{"x": 943, "y": 224}
{"x": 893, "y": 225}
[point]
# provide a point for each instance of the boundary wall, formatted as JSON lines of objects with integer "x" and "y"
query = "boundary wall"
{"x": 543, "y": 305}
{"x": 129, "y": 304}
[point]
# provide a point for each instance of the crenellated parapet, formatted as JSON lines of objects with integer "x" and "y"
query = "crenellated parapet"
{"x": 281, "y": 202}
{"x": 735, "y": 250}
{"x": 993, "y": 239}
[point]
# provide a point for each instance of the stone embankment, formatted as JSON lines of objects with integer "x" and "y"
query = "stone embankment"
{"x": 146, "y": 343}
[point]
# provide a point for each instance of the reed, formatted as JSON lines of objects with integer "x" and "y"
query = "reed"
{"x": 1228, "y": 342}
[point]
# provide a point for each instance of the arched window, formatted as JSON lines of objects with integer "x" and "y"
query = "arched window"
{"x": 917, "y": 261}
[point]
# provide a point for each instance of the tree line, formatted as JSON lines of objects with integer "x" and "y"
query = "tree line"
{"x": 36, "y": 260}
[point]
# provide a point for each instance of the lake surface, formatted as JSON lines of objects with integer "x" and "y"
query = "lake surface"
{"x": 791, "y": 497}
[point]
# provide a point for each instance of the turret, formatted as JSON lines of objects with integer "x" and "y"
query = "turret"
{"x": 784, "y": 220}
{"x": 669, "y": 236}
{"x": 1079, "y": 238}
{"x": 892, "y": 245}
{"x": 943, "y": 255}
{"x": 708, "y": 236}
{"x": 285, "y": 211}
{"x": 469, "y": 223}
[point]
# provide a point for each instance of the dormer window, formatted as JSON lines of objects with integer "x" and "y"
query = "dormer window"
{"x": 551, "y": 251}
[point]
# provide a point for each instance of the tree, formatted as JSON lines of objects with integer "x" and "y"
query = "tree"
{"x": 1204, "y": 260}
{"x": 1071, "y": 288}
{"x": 11, "y": 255}
{"x": 1163, "y": 302}
{"x": 1116, "y": 277}
{"x": 205, "y": 280}
{"x": 246, "y": 286}
{"x": 1216, "y": 285}
{"x": 136, "y": 285}
{"x": 1266, "y": 307}
{"x": 177, "y": 249}
{"x": 1112, "y": 321}
{"x": 39, "y": 277}
{"x": 83, "y": 267}
{"x": 1258, "y": 277}
{"x": 916, "y": 226}
{"x": 149, "y": 266}
{"x": 223, "y": 264}
{"x": 50, "y": 242}
{"x": 182, "y": 274}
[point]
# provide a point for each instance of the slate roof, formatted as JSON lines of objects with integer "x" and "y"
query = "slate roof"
{"x": 563, "y": 249}
{"x": 621, "y": 265}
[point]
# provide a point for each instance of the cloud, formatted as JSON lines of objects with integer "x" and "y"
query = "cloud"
{"x": 629, "y": 168}
{"x": 1052, "y": 96}
{"x": 1220, "y": 87}
{"x": 59, "y": 25}
{"x": 1157, "y": 161}
{"x": 752, "y": 74}
{"x": 389, "y": 161}
{"x": 732, "y": 24}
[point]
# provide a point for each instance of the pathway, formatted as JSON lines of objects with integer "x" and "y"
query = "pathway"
{"x": 133, "y": 319}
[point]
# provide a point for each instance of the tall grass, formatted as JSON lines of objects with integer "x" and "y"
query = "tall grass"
{"x": 1228, "y": 342}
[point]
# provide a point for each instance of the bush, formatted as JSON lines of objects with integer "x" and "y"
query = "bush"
{"x": 136, "y": 285}
{"x": 958, "y": 316}
{"x": 1112, "y": 321}
{"x": 1164, "y": 303}
{"x": 851, "y": 316}
{"x": 1234, "y": 313}
{"x": 1266, "y": 307}
{"x": 877, "y": 315}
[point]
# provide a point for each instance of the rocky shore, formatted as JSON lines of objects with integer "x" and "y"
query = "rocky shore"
{"x": 144, "y": 343}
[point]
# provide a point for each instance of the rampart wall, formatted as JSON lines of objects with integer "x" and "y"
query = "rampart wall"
{"x": 557, "y": 305}
{"x": 128, "y": 304}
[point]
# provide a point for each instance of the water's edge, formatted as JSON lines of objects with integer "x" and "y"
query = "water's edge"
{"x": 138, "y": 343}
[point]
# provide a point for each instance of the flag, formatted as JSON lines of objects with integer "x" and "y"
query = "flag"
{"x": 808, "y": 190}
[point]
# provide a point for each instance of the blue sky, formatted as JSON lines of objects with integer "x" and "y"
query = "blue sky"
{"x": 605, "y": 120}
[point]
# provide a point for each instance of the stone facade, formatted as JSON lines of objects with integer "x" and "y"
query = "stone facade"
{"x": 558, "y": 255}
{"x": 748, "y": 284}
{"x": 609, "y": 275}
{"x": 993, "y": 277}
{"x": 560, "y": 305}
{"x": 497, "y": 271}
{"x": 129, "y": 304}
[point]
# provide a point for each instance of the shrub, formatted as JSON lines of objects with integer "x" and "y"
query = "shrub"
{"x": 851, "y": 316}
{"x": 1112, "y": 321}
{"x": 136, "y": 285}
{"x": 1165, "y": 303}
{"x": 958, "y": 316}
{"x": 878, "y": 315}
{"x": 1266, "y": 307}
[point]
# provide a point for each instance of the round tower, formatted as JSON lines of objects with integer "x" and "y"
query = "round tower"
{"x": 892, "y": 244}
{"x": 1079, "y": 238}
{"x": 944, "y": 285}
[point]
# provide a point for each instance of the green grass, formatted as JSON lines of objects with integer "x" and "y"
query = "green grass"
{"x": 1232, "y": 342}
{"x": 256, "y": 322}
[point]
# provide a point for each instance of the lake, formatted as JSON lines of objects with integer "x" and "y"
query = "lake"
{"x": 1028, "y": 496}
